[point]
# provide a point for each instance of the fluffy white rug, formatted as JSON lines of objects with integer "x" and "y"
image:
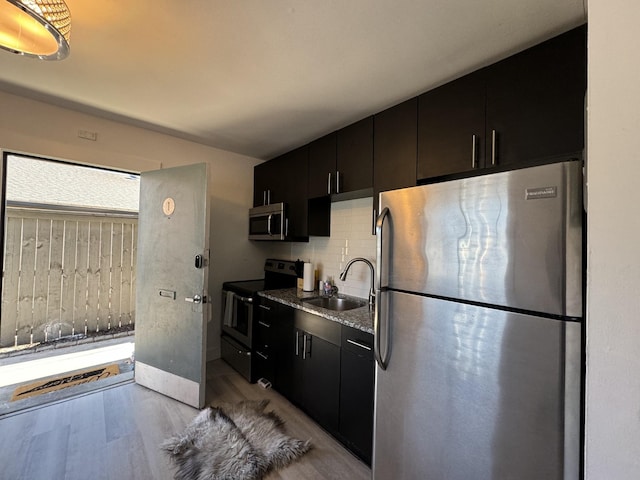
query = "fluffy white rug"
{"x": 233, "y": 442}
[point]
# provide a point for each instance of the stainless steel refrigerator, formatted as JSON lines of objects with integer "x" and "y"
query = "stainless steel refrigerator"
{"x": 478, "y": 328}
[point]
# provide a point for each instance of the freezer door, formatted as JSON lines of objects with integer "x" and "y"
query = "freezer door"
{"x": 476, "y": 393}
{"x": 512, "y": 239}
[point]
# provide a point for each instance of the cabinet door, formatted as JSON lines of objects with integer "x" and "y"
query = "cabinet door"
{"x": 285, "y": 351}
{"x": 395, "y": 147}
{"x": 294, "y": 172}
{"x": 262, "y": 181}
{"x": 354, "y": 163}
{"x": 288, "y": 176}
{"x": 322, "y": 166}
{"x": 264, "y": 348}
{"x": 535, "y": 102}
{"x": 357, "y": 391}
{"x": 451, "y": 127}
{"x": 321, "y": 397}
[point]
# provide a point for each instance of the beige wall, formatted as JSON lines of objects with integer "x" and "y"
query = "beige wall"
{"x": 36, "y": 128}
{"x": 613, "y": 285}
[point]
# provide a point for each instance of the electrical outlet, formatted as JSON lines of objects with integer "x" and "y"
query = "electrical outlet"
{"x": 88, "y": 135}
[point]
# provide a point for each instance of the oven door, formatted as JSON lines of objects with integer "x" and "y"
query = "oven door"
{"x": 237, "y": 317}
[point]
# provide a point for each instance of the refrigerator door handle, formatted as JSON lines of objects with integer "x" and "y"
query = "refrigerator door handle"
{"x": 381, "y": 359}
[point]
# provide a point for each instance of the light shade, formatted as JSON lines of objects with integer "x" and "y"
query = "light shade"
{"x": 35, "y": 28}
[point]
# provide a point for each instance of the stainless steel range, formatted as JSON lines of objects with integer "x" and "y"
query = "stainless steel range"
{"x": 238, "y": 300}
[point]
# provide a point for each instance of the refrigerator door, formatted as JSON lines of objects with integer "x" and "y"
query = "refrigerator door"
{"x": 512, "y": 239}
{"x": 476, "y": 393}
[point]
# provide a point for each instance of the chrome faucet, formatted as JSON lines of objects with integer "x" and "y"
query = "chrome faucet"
{"x": 372, "y": 292}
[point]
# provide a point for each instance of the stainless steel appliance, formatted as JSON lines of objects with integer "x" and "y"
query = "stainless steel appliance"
{"x": 268, "y": 222}
{"x": 238, "y": 301}
{"x": 478, "y": 328}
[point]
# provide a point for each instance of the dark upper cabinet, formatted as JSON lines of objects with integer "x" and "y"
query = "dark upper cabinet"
{"x": 395, "y": 147}
{"x": 451, "y": 127}
{"x": 342, "y": 162}
{"x": 526, "y": 109}
{"x": 354, "y": 157}
{"x": 278, "y": 180}
{"x": 535, "y": 102}
{"x": 322, "y": 165}
{"x": 263, "y": 182}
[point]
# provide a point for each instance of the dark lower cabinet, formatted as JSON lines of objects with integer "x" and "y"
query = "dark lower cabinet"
{"x": 264, "y": 355}
{"x": 285, "y": 345}
{"x": 308, "y": 365}
{"x": 327, "y": 370}
{"x": 357, "y": 370}
{"x": 317, "y": 369}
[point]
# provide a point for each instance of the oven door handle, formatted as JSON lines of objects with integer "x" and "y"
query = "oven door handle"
{"x": 244, "y": 299}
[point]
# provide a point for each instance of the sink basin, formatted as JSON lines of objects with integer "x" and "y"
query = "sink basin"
{"x": 336, "y": 303}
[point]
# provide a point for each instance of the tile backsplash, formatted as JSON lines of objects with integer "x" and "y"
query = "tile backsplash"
{"x": 350, "y": 237}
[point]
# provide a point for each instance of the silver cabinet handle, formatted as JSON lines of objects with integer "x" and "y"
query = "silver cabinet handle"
{"x": 304, "y": 346}
{"x": 329, "y": 185}
{"x": 264, "y": 324}
{"x": 474, "y": 148}
{"x": 264, "y": 197}
{"x": 382, "y": 361}
{"x": 337, "y": 181}
{"x": 194, "y": 299}
{"x": 262, "y": 355}
{"x": 297, "y": 334}
{"x": 494, "y": 147}
{"x": 358, "y": 344}
{"x": 264, "y": 307}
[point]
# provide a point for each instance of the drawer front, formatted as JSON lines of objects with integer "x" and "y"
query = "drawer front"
{"x": 357, "y": 342}
{"x": 237, "y": 356}
{"x": 318, "y": 326}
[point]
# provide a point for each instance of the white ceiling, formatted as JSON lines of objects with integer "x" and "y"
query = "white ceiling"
{"x": 260, "y": 77}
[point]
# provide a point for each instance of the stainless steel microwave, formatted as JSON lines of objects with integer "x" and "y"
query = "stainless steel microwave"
{"x": 268, "y": 222}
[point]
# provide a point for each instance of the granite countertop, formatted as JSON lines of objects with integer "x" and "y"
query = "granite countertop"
{"x": 360, "y": 318}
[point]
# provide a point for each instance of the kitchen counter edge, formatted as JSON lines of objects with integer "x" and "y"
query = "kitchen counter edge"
{"x": 360, "y": 318}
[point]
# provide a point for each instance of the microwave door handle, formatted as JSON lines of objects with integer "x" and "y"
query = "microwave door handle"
{"x": 269, "y": 223}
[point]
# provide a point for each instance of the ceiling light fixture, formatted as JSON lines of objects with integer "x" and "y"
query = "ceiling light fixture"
{"x": 35, "y": 28}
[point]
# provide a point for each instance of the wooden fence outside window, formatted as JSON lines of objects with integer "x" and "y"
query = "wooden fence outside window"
{"x": 65, "y": 274}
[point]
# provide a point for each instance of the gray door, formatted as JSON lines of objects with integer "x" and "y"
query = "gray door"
{"x": 171, "y": 286}
{"x": 476, "y": 393}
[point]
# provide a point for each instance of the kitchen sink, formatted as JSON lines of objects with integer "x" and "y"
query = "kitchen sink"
{"x": 336, "y": 303}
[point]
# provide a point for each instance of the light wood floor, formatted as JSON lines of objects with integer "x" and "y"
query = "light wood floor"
{"x": 115, "y": 433}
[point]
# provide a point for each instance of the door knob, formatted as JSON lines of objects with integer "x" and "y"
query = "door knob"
{"x": 194, "y": 299}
